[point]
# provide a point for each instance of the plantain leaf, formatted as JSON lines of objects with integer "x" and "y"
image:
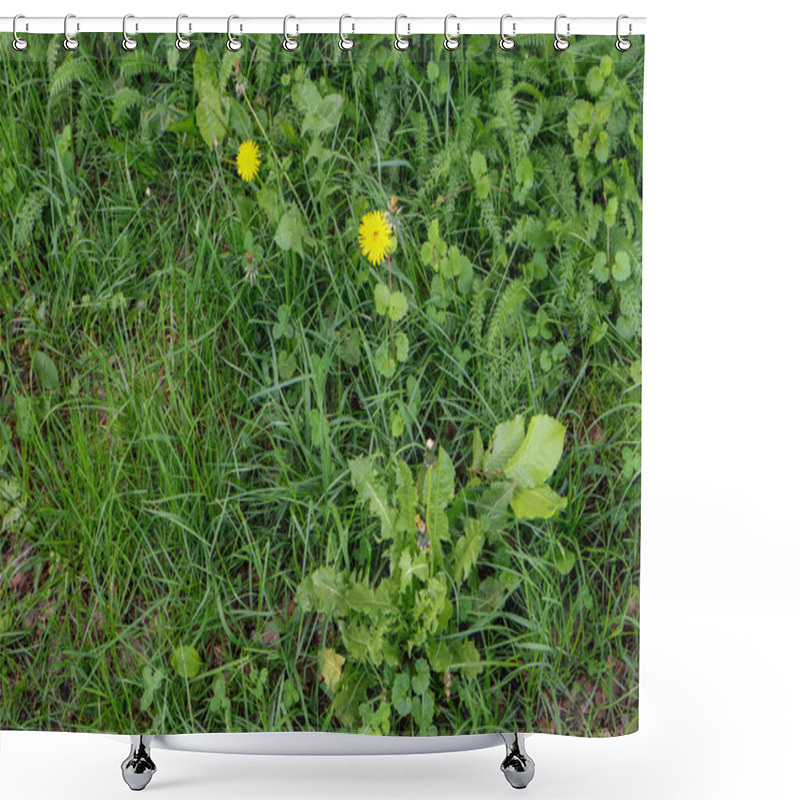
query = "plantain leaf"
{"x": 536, "y": 458}
{"x": 538, "y": 503}
{"x": 506, "y": 440}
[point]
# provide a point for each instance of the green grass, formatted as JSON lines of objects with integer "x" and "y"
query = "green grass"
{"x": 176, "y": 484}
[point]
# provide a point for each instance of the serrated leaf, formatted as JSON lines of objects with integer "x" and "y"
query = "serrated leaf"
{"x": 186, "y": 661}
{"x": 539, "y": 503}
{"x": 538, "y": 455}
{"x": 412, "y": 566}
{"x": 422, "y": 676}
{"x": 323, "y": 591}
{"x": 45, "y": 370}
{"x": 467, "y": 549}
{"x": 372, "y": 492}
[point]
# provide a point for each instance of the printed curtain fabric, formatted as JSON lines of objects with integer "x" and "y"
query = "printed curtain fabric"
{"x": 320, "y": 376}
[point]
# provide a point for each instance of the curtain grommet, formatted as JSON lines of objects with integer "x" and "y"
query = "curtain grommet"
{"x": 560, "y": 43}
{"x": 450, "y": 42}
{"x": 19, "y": 44}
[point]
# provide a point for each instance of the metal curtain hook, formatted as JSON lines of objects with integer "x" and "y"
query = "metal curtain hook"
{"x": 127, "y": 42}
{"x": 234, "y": 44}
{"x": 561, "y": 43}
{"x": 623, "y": 44}
{"x": 450, "y": 42}
{"x": 400, "y": 42}
{"x": 345, "y": 42}
{"x": 182, "y": 43}
{"x": 506, "y": 42}
{"x": 18, "y": 43}
{"x": 289, "y": 43}
{"x": 70, "y": 42}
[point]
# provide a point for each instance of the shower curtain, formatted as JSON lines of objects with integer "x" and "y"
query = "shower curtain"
{"x": 320, "y": 385}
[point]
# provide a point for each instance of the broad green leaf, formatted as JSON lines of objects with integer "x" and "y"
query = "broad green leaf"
{"x": 401, "y": 699}
{"x": 594, "y": 80}
{"x": 45, "y": 370}
{"x": 600, "y": 267}
{"x": 506, "y": 440}
{"x": 621, "y": 269}
{"x": 538, "y": 503}
{"x": 186, "y": 661}
{"x": 539, "y": 454}
{"x": 398, "y": 306}
{"x": 372, "y": 492}
{"x": 382, "y": 295}
{"x": 320, "y": 114}
{"x": 211, "y": 118}
{"x": 401, "y": 346}
{"x": 467, "y": 659}
{"x": 331, "y": 669}
{"x": 564, "y": 561}
{"x": 384, "y": 362}
{"x": 291, "y": 233}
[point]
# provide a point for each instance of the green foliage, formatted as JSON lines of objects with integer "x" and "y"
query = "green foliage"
{"x": 401, "y": 619}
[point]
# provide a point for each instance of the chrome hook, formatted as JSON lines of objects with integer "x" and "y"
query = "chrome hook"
{"x": 19, "y": 43}
{"x": 400, "y": 42}
{"x": 234, "y": 44}
{"x": 70, "y": 42}
{"x": 345, "y": 42}
{"x": 506, "y": 42}
{"x": 127, "y": 42}
{"x": 561, "y": 43}
{"x": 182, "y": 43}
{"x": 450, "y": 42}
{"x": 623, "y": 44}
{"x": 289, "y": 43}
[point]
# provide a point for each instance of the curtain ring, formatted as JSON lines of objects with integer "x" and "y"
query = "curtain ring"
{"x": 127, "y": 42}
{"x": 182, "y": 43}
{"x": 400, "y": 42}
{"x": 623, "y": 44}
{"x": 506, "y": 42}
{"x": 234, "y": 44}
{"x": 70, "y": 42}
{"x": 450, "y": 42}
{"x": 289, "y": 43}
{"x": 561, "y": 43}
{"x": 345, "y": 42}
{"x": 18, "y": 43}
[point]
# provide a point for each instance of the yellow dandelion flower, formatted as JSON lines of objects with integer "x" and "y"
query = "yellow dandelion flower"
{"x": 375, "y": 236}
{"x": 247, "y": 160}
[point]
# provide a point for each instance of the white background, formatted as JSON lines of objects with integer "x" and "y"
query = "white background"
{"x": 720, "y": 608}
